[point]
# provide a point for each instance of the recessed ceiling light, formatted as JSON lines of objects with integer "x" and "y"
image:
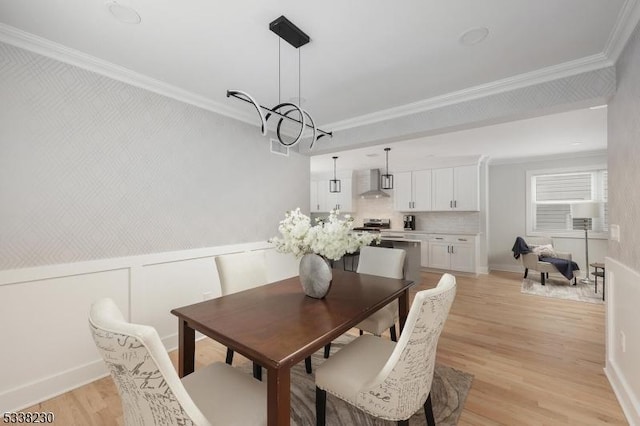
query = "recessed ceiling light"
{"x": 473, "y": 36}
{"x": 598, "y": 106}
{"x": 372, "y": 155}
{"x": 576, "y": 143}
{"x": 123, "y": 13}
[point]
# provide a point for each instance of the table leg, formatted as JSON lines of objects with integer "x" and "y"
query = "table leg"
{"x": 278, "y": 396}
{"x": 403, "y": 308}
{"x": 186, "y": 348}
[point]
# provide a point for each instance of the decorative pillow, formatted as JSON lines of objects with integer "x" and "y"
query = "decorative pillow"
{"x": 544, "y": 250}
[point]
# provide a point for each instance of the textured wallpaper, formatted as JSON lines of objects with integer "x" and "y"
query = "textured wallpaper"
{"x": 624, "y": 153}
{"x": 94, "y": 168}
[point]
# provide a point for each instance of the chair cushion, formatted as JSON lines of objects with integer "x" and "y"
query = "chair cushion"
{"x": 227, "y": 396}
{"x": 381, "y": 320}
{"x": 359, "y": 362}
{"x": 544, "y": 250}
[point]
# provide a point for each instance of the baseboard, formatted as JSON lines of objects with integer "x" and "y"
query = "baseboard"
{"x": 506, "y": 268}
{"x": 35, "y": 392}
{"x": 630, "y": 406}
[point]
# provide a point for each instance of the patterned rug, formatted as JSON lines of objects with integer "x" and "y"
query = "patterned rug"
{"x": 561, "y": 289}
{"x": 448, "y": 393}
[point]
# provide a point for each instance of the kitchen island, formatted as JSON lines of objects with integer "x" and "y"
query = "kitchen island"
{"x": 411, "y": 261}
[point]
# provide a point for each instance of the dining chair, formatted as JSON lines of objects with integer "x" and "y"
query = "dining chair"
{"x": 149, "y": 387}
{"x": 384, "y": 262}
{"x": 386, "y": 379}
{"x": 243, "y": 271}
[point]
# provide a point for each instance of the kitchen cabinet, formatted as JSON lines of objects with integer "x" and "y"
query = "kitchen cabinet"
{"x": 342, "y": 200}
{"x": 454, "y": 253}
{"x": 322, "y": 201}
{"x": 412, "y": 191}
{"x": 319, "y": 194}
{"x": 456, "y": 188}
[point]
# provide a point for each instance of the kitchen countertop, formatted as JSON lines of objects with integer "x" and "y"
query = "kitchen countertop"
{"x": 401, "y": 239}
{"x": 402, "y": 231}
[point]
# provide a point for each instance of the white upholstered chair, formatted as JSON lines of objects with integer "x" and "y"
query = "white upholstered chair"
{"x": 243, "y": 271}
{"x": 149, "y": 387}
{"x": 385, "y": 262}
{"x": 386, "y": 379}
{"x": 239, "y": 272}
{"x": 531, "y": 261}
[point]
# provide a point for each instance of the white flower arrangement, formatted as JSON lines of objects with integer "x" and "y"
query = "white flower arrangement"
{"x": 332, "y": 238}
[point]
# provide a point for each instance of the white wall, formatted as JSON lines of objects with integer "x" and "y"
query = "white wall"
{"x": 48, "y": 349}
{"x": 507, "y": 207}
{"x": 623, "y": 264}
{"x": 92, "y": 168}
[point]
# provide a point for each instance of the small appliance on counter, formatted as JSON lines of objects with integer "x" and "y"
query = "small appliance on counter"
{"x": 409, "y": 222}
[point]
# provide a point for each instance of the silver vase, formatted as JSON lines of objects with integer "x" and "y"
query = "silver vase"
{"x": 315, "y": 275}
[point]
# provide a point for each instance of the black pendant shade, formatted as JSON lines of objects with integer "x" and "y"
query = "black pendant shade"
{"x": 386, "y": 180}
{"x": 334, "y": 184}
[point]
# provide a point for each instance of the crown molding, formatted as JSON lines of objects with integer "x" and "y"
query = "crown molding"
{"x": 625, "y": 25}
{"x": 566, "y": 69}
{"x": 59, "y": 52}
{"x": 545, "y": 158}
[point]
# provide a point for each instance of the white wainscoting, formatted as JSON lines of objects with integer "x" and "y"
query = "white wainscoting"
{"x": 45, "y": 340}
{"x": 623, "y": 367}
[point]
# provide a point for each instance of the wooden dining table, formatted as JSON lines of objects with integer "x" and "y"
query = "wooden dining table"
{"x": 277, "y": 325}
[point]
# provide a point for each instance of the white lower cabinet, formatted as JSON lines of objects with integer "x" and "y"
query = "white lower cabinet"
{"x": 453, "y": 253}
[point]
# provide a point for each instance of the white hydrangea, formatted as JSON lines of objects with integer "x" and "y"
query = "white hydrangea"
{"x": 331, "y": 239}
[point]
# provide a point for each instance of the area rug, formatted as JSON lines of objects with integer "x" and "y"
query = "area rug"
{"x": 448, "y": 393}
{"x": 563, "y": 290}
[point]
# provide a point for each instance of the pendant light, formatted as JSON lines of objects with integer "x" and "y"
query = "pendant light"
{"x": 386, "y": 180}
{"x": 288, "y": 111}
{"x": 334, "y": 184}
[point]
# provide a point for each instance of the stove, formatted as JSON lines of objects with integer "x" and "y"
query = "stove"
{"x": 374, "y": 225}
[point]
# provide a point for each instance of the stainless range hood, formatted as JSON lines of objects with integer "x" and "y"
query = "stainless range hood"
{"x": 374, "y": 186}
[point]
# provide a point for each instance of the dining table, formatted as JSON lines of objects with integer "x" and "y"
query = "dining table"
{"x": 277, "y": 325}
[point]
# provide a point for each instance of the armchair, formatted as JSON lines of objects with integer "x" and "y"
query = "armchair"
{"x": 532, "y": 261}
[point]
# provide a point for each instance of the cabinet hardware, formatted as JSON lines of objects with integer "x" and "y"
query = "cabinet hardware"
{"x": 439, "y": 238}
{"x": 452, "y": 250}
{"x": 455, "y": 204}
{"x": 450, "y": 204}
{"x": 462, "y": 239}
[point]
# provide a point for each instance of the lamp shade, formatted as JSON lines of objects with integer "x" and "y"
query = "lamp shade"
{"x": 587, "y": 210}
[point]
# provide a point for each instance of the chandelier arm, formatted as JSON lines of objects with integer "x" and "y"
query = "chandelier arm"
{"x": 248, "y": 98}
{"x": 236, "y": 93}
{"x": 293, "y": 107}
{"x": 313, "y": 126}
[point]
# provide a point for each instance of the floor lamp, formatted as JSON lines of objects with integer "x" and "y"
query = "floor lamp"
{"x": 585, "y": 213}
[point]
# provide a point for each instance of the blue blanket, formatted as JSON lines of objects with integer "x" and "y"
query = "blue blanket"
{"x": 564, "y": 266}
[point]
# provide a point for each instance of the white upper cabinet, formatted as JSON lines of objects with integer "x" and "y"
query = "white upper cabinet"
{"x": 342, "y": 200}
{"x": 322, "y": 201}
{"x": 456, "y": 188}
{"x": 412, "y": 191}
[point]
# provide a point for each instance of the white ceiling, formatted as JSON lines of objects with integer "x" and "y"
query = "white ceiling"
{"x": 364, "y": 56}
{"x": 571, "y": 132}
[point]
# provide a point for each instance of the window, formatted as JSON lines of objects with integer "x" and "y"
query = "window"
{"x": 551, "y": 193}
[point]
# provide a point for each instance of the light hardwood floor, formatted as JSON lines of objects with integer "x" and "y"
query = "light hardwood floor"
{"x": 535, "y": 360}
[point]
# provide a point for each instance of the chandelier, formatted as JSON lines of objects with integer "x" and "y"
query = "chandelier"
{"x": 288, "y": 111}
